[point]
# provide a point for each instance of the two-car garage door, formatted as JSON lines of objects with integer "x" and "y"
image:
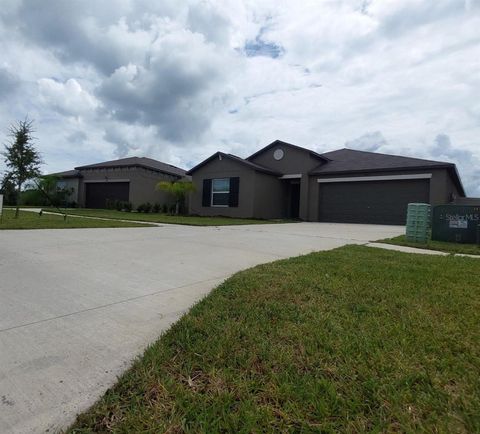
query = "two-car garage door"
{"x": 376, "y": 202}
{"x": 97, "y": 193}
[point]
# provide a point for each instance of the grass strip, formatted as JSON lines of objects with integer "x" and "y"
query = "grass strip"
{"x": 32, "y": 220}
{"x": 166, "y": 218}
{"x": 442, "y": 246}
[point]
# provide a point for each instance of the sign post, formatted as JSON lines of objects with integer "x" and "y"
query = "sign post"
{"x": 1, "y": 208}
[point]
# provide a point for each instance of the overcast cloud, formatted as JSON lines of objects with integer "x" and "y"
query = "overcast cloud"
{"x": 178, "y": 81}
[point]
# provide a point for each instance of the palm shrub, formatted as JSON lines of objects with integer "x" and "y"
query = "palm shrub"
{"x": 178, "y": 190}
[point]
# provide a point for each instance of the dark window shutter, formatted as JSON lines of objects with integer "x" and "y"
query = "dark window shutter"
{"x": 207, "y": 192}
{"x": 234, "y": 189}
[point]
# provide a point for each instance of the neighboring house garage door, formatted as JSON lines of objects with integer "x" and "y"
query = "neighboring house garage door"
{"x": 97, "y": 193}
{"x": 377, "y": 202}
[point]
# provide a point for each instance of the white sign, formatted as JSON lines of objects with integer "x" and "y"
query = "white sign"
{"x": 458, "y": 224}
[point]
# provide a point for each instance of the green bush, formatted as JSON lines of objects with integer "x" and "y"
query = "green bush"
{"x": 110, "y": 204}
{"x": 164, "y": 208}
{"x": 7, "y": 188}
{"x": 144, "y": 207}
{"x": 35, "y": 197}
{"x": 156, "y": 208}
{"x": 119, "y": 205}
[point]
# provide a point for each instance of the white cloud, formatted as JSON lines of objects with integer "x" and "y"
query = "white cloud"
{"x": 68, "y": 98}
{"x": 173, "y": 80}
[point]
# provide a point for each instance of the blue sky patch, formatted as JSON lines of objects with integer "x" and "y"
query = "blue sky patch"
{"x": 259, "y": 47}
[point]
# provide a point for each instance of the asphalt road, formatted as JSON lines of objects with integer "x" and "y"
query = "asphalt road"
{"x": 77, "y": 305}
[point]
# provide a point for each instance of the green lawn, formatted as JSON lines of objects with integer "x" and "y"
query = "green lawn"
{"x": 471, "y": 249}
{"x": 31, "y": 220}
{"x": 352, "y": 340}
{"x": 164, "y": 218}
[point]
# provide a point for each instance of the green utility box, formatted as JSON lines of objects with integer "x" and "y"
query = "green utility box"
{"x": 456, "y": 223}
{"x": 418, "y": 222}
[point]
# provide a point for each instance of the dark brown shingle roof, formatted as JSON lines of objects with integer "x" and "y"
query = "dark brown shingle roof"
{"x": 345, "y": 161}
{"x": 148, "y": 163}
{"x": 67, "y": 174}
{"x": 349, "y": 160}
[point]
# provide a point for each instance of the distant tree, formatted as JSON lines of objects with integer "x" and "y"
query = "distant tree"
{"x": 45, "y": 191}
{"x": 22, "y": 159}
{"x": 7, "y": 188}
{"x": 178, "y": 189}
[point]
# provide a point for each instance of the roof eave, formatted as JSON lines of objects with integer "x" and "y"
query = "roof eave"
{"x": 128, "y": 166}
{"x": 202, "y": 163}
{"x": 382, "y": 169}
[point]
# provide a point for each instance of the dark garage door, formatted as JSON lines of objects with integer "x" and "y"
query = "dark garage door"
{"x": 97, "y": 193}
{"x": 378, "y": 202}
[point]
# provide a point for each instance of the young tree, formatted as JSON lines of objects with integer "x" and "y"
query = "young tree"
{"x": 22, "y": 159}
{"x": 178, "y": 189}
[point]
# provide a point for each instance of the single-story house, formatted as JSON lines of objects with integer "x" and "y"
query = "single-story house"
{"x": 130, "y": 179}
{"x": 286, "y": 181}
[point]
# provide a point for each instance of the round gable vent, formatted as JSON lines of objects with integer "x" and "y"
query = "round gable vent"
{"x": 278, "y": 154}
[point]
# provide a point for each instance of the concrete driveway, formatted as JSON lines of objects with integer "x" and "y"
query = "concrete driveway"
{"x": 76, "y": 305}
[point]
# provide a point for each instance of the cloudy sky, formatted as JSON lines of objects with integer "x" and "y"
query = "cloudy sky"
{"x": 179, "y": 80}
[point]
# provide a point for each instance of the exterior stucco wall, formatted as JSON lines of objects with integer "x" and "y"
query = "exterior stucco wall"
{"x": 294, "y": 160}
{"x": 452, "y": 190}
{"x": 270, "y": 197}
{"x": 142, "y": 183}
{"x": 225, "y": 168}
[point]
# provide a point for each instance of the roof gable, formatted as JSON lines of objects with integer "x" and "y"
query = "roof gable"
{"x": 281, "y": 143}
{"x": 219, "y": 155}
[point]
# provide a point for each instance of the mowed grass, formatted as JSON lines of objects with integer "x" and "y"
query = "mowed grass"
{"x": 443, "y": 246}
{"x": 165, "y": 218}
{"x": 352, "y": 340}
{"x": 32, "y": 220}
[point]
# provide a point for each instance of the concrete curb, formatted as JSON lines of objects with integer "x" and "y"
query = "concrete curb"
{"x": 406, "y": 249}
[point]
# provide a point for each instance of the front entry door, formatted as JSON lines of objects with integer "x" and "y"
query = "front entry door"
{"x": 294, "y": 200}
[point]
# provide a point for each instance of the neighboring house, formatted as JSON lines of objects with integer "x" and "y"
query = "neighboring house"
{"x": 287, "y": 181}
{"x": 131, "y": 179}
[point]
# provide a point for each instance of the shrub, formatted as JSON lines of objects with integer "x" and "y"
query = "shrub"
{"x": 119, "y": 205}
{"x": 164, "y": 208}
{"x": 144, "y": 207}
{"x": 33, "y": 197}
{"x": 156, "y": 207}
{"x": 110, "y": 204}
